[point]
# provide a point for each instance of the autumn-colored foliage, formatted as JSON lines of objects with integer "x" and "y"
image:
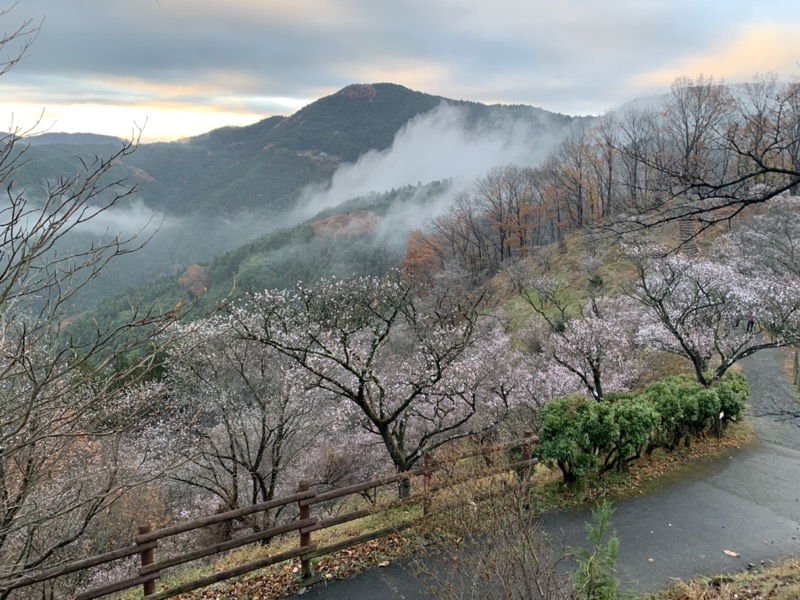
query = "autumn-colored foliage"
{"x": 422, "y": 258}
{"x": 193, "y": 281}
{"x": 354, "y": 223}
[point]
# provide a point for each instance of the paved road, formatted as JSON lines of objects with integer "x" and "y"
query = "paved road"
{"x": 747, "y": 502}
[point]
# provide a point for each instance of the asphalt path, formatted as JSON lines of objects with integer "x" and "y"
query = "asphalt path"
{"x": 747, "y": 503}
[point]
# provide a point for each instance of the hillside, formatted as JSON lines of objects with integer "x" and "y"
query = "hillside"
{"x": 263, "y": 166}
{"x": 206, "y": 195}
{"x": 71, "y": 138}
{"x": 342, "y": 242}
{"x": 569, "y": 299}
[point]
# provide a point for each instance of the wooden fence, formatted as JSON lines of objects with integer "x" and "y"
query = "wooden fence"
{"x": 147, "y": 541}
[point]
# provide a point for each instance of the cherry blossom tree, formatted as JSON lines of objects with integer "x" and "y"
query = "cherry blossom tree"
{"x": 699, "y": 309}
{"x": 598, "y": 349}
{"x": 765, "y": 241}
{"x": 403, "y": 360}
{"x": 587, "y": 342}
{"x": 250, "y": 421}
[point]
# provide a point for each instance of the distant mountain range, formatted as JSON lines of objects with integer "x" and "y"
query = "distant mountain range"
{"x": 264, "y": 165}
{"x": 71, "y": 138}
{"x": 217, "y": 191}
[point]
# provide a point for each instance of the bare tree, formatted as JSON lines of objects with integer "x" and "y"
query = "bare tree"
{"x": 406, "y": 369}
{"x": 573, "y": 187}
{"x": 62, "y": 405}
{"x": 506, "y": 200}
{"x": 694, "y": 123}
{"x": 636, "y": 137}
{"x": 712, "y": 153}
{"x": 463, "y": 237}
{"x": 493, "y": 549}
{"x": 500, "y": 220}
{"x": 15, "y": 44}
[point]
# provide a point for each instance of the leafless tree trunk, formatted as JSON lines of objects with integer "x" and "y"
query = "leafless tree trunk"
{"x": 62, "y": 404}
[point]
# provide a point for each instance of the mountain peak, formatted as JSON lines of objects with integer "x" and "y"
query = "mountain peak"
{"x": 359, "y": 91}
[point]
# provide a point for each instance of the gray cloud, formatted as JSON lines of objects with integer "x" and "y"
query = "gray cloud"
{"x": 572, "y": 57}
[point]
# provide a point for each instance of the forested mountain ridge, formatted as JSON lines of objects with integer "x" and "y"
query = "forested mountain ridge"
{"x": 343, "y": 242}
{"x": 264, "y": 165}
{"x": 206, "y": 195}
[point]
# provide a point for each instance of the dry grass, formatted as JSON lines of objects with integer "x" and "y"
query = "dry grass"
{"x": 779, "y": 582}
{"x": 284, "y": 579}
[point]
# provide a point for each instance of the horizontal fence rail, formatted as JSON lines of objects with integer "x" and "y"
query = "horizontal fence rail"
{"x": 147, "y": 540}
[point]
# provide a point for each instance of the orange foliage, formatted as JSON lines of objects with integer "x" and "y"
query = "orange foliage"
{"x": 193, "y": 281}
{"x": 421, "y": 259}
{"x": 354, "y": 223}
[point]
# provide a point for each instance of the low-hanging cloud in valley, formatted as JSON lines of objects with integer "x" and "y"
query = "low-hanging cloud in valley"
{"x": 128, "y": 219}
{"x": 104, "y": 221}
{"x": 442, "y": 144}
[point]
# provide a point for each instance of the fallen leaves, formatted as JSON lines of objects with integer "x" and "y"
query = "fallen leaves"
{"x": 284, "y": 580}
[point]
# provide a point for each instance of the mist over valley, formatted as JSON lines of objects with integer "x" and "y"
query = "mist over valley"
{"x": 402, "y": 156}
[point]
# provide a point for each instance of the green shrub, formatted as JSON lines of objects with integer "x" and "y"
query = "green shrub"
{"x": 583, "y": 436}
{"x": 563, "y": 439}
{"x": 617, "y": 396}
{"x": 682, "y": 406}
{"x": 661, "y": 395}
{"x": 733, "y": 392}
{"x": 601, "y": 429}
{"x": 707, "y": 403}
{"x": 638, "y": 422}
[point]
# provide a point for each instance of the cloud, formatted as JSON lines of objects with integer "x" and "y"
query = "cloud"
{"x": 125, "y": 220}
{"x": 436, "y": 146}
{"x": 574, "y": 57}
{"x": 739, "y": 58}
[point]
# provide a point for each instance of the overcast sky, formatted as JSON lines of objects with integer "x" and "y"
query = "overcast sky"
{"x": 187, "y": 66}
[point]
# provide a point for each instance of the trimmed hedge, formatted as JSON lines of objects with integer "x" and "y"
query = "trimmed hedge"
{"x": 582, "y": 436}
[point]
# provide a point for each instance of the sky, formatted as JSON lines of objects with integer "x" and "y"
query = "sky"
{"x": 178, "y": 68}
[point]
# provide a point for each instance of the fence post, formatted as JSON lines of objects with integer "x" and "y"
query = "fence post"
{"x": 306, "y": 570}
{"x": 147, "y": 557}
{"x": 527, "y": 452}
{"x": 796, "y": 368}
{"x": 428, "y": 463}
